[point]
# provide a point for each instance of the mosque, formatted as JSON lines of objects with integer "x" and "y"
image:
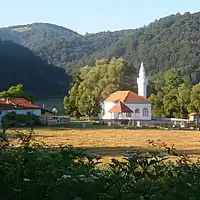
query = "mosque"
{"x": 127, "y": 105}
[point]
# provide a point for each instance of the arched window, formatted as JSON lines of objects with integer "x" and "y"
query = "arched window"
{"x": 137, "y": 111}
{"x": 145, "y": 112}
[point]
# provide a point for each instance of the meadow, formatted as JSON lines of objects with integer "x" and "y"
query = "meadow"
{"x": 109, "y": 143}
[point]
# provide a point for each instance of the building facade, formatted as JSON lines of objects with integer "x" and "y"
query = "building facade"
{"x": 18, "y": 106}
{"x": 127, "y": 105}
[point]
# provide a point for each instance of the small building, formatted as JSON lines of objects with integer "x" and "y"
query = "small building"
{"x": 18, "y": 106}
{"x": 194, "y": 117}
{"x": 46, "y": 116}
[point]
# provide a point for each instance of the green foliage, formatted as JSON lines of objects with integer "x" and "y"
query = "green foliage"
{"x": 13, "y": 119}
{"x": 37, "y": 171}
{"x": 92, "y": 84}
{"x": 176, "y": 98}
{"x": 157, "y": 103}
{"x": 20, "y": 65}
{"x": 164, "y": 44}
{"x": 172, "y": 80}
{"x": 195, "y": 99}
{"x": 14, "y": 91}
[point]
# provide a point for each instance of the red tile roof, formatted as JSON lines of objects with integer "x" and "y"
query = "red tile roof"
{"x": 125, "y": 96}
{"x": 16, "y": 103}
{"x": 120, "y": 108}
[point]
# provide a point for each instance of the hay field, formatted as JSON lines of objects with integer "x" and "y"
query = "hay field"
{"x": 114, "y": 142}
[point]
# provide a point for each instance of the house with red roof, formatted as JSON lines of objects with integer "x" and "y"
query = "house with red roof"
{"x": 18, "y": 106}
{"x": 127, "y": 105}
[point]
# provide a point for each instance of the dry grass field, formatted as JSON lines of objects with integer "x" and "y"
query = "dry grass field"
{"x": 114, "y": 142}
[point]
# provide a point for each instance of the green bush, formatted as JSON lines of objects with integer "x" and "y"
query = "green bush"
{"x": 13, "y": 119}
{"x": 35, "y": 171}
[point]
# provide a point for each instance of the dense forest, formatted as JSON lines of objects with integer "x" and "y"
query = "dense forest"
{"x": 19, "y": 65}
{"x": 170, "y": 42}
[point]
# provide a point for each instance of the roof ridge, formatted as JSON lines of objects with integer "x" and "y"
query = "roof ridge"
{"x": 128, "y": 91}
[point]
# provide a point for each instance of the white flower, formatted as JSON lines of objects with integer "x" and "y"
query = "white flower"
{"x": 66, "y": 176}
{"x": 31, "y": 152}
{"x": 94, "y": 177}
{"x": 26, "y": 180}
{"x": 81, "y": 176}
{"x": 99, "y": 174}
{"x": 189, "y": 184}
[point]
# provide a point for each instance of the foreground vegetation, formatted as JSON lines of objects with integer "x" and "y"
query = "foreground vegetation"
{"x": 36, "y": 171}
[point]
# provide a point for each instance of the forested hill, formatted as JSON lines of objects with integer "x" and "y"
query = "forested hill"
{"x": 170, "y": 42}
{"x": 19, "y": 65}
{"x": 37, "y": 33}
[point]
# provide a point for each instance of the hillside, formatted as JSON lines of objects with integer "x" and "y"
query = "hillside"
{"x": 37, "y": 33}
{"x": 19, "y": 65}
{"x": 170, "y": 42}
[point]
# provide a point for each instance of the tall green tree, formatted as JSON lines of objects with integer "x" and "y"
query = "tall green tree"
{"x": 184, "y": 97}
{"x": 195, "y": 99}
{"x": 172, "y": 80}
{"x": 97, "y": 82}
{"x": 171, "y": 106}
{"x": 157, "y": 103}
{"x": 174, "y": 98}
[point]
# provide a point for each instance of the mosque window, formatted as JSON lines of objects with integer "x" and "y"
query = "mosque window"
{"x": 145, "y": 112}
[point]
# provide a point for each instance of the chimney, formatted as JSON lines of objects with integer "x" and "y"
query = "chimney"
{"x": 7, "y": 101}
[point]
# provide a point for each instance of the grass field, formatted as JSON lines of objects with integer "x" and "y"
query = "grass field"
{"x": 114, "y": 142}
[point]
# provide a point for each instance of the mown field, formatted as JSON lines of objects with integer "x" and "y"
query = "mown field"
{"x": 114, "y": 142}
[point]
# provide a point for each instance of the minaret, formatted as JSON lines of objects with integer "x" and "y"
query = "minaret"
{"x": 142, "y": 82}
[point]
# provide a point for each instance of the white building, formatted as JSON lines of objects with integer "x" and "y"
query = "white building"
{"x": 127, "y": 105}
{"x": 18, "y": 106}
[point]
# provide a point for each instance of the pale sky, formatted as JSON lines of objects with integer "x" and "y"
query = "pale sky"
{"x": 92, "y": 15}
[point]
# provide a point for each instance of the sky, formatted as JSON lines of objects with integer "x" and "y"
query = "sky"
{"x": 92, "y": 16}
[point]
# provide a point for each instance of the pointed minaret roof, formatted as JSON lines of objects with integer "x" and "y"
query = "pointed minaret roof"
{"x": 142, "y": 70}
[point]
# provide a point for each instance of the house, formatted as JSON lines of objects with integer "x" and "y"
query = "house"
{"x": 127, "y": 105}
{"x": 46, "y": 116}
{"x": 194, "y": 117}
{"x": 18, "y": 106}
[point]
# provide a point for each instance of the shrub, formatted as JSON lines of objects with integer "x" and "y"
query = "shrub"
{"x": 35, "y": 171}
{"x": 13, "y": 119}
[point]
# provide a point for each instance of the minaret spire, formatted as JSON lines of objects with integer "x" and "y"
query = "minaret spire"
{"x": 142, "y": 70}
{"x": 142, "y": 82}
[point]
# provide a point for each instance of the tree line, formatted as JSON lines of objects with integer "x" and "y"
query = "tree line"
{"x": 173, "y": 95}
{"x": 176, "y": 97}
{"x": 164, "y": 44}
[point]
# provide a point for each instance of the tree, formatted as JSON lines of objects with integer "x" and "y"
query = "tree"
{"x": 94, "y": 83}
{"x": 184, "y": 97}
{"x": 70, "y": 102}
{"x": 171, "y": 106}
{"x": 15, "y": 91}
{"x": 158, "y": 106}
{"x": 88, "y": 105}
{"x": 195, "y": 99}
{"x": 172, "y": 80}
{"x": 174, "y": 98}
